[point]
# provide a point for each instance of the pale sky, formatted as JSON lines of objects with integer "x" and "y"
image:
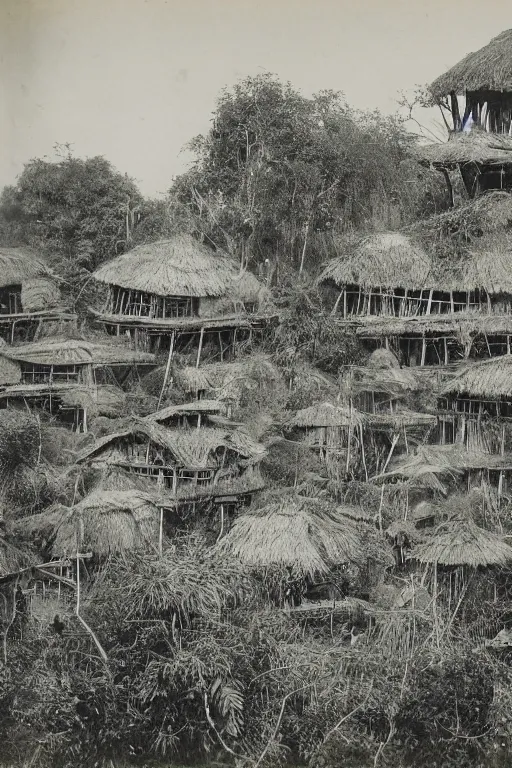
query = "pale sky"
{"x": 134, "y": 80}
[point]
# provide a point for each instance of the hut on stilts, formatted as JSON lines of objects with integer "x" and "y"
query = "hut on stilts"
{"x": 180, "y": 294}
{"x": 70, "y": 377}
{"x": 30, "y": 301}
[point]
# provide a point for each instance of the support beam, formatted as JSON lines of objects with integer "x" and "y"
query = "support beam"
{"x": 167, "y": 368}
{"x": 201, "y": 336}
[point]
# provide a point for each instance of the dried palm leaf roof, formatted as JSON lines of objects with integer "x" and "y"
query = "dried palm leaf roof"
{"x": 489, "y": 379}
{"x": 399, "y": 419}
{"x": 99, "y": 401}
{"x": 106, "y": 522}
{"x": 394, "y": 382}
{"x": 302, "y": 533}
{"x": 209, "y": 407}
{"x": 406, "y": 527}
{"x": 20, "y": 264}
{"x": 181, "y": 266}
{"x": 462, "y": 542}
{"x": 193, "y": 449}
{"x": 11, "y": 558}
{"x": 444, "y": 460}
{"x": 227, "y": 381}
{"x": 456, "y": 324}
{"x": 327, "y": 415}
{"x": 478, "y": 146}
{"x": 488, "y": 69}
{"x": 65, "y": 351}
{"x": 114, "y": 478}
{"x": 386, "y": 260}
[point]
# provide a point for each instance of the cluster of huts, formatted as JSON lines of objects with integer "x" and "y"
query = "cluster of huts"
{"x": 425, "y": 418}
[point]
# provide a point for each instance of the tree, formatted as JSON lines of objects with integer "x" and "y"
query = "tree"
{"x": 278, "y": 171}
{"x": 80, "y": 212}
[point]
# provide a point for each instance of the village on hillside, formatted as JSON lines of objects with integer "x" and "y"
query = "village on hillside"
{"x": 257, "y": 512}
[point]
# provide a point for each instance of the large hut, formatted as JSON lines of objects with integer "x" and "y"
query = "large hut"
{"x": 477, "y": 93}
{"x": 209, "y": 464}
{"x": 166, "y": 293}
{"x": 65, "y": 376}
{"x": 30, "y": 302}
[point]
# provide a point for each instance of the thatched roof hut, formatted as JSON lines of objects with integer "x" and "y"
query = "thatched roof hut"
{"x": 203, "y": 407}
{"x": 18, "y": 265}
{"x": 488, "y": 69}
{"x": 385, "y": 260}
{"x": 105, "y": 522}
{"x": 326, "y": 415}
{"x": 488, "y": 379}
{"x": 305, "y": 534}
{"x": 190, "y": 448}
{"x": 461, "y": 542}
{"x": 228, "y": 381}
{"x": 180, "y": 266}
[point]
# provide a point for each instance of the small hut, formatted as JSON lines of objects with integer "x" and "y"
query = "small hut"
{"x": 477, "y": 93}
{"x": 105, "y": 523}
{"x": 387, "y": 274}
{"x": 308, "y": 536}
{"x": 191, "y": 465}
{"x": 29, "y": 296}
{"x": 64, "y": 375}
{"x": 381, "y": 385}
{"x": 165, "y": 293}
{"x": 475, "y": 407}
{"x": 250, "y": 378}
{"x": 197, "y": 414}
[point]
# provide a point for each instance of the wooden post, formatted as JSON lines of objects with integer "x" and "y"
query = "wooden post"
{"x": 345, "y": 302}
{"x": 429, "y": 302}
{"x": 161, "y": 532}
{"x": 167, "y": 368}
{"x": 508, "y": 344}
{"x": 452, "y": 305}
{"x": 423, "y": 350}
{"x": 220, "y": 347}
{"x": 445, "y": 350}
{"x": 200, "y": 347}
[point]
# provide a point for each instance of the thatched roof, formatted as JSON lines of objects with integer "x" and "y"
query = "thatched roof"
{"x": 227, "y": 381}
{"x": 105, "y": 522}
{"x": 181, "y": 266}
{"x": 488, "y": 69}
{"x": 18, "y": 265}
{"x": 303, "y": 533}
{"x": 208, "y": 407}
{"x": 462, "y": 542}
{"x": 478, "y": 146}
{"x": 39, "y": 293}
{"x": 447, "y": 460}
{"x": 387, "y": 260}
{"x": 193, "y": 449}
{"x": 98, "y": 401}
{"x": 11, "y": 558}
{"x": 326, "y": 415}
{"x": 64, "y": 351}
{"x": 456, "y": 324}
{"x": 395, "y": 382}
{"x": 400, "y": 419}
{"x": 488, "y": 379}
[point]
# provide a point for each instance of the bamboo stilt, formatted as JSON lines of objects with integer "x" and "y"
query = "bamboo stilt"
{"x": 200, "y": 347}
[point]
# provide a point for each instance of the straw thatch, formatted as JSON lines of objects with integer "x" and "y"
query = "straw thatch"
{"x": 488, "y": 379}
{"x": 387, "y": 260}
{"x": 64, "y": 351}
{"x": 400, "y": 419}
{"x": 383, "y": 358}
{"x": 207, "y": 407}
{"x": 447, "y": 460}
{"x": 302, "y": 533}
{"x": 228, "y": 381}
{"x": 327, "y": 415}
{"x": 105, "y": 522}
{"x": 98, "y": 401}
{"x": 11, "y": 558}
{"x": 193, "y": 449}
{"x": 477, "y": 147}
{"x": 395, "y": 382}
{"x": 181, "y": 266}
{"x": 39, "y": 293}
{"x": 455, "y": 324}
{"x": 462, "y": 542}
{"x": 488, "y": 69}
{"x": 20, "y": 264}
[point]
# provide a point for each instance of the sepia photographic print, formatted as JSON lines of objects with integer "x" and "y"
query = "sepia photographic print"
{"x": 255, "y": 384}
